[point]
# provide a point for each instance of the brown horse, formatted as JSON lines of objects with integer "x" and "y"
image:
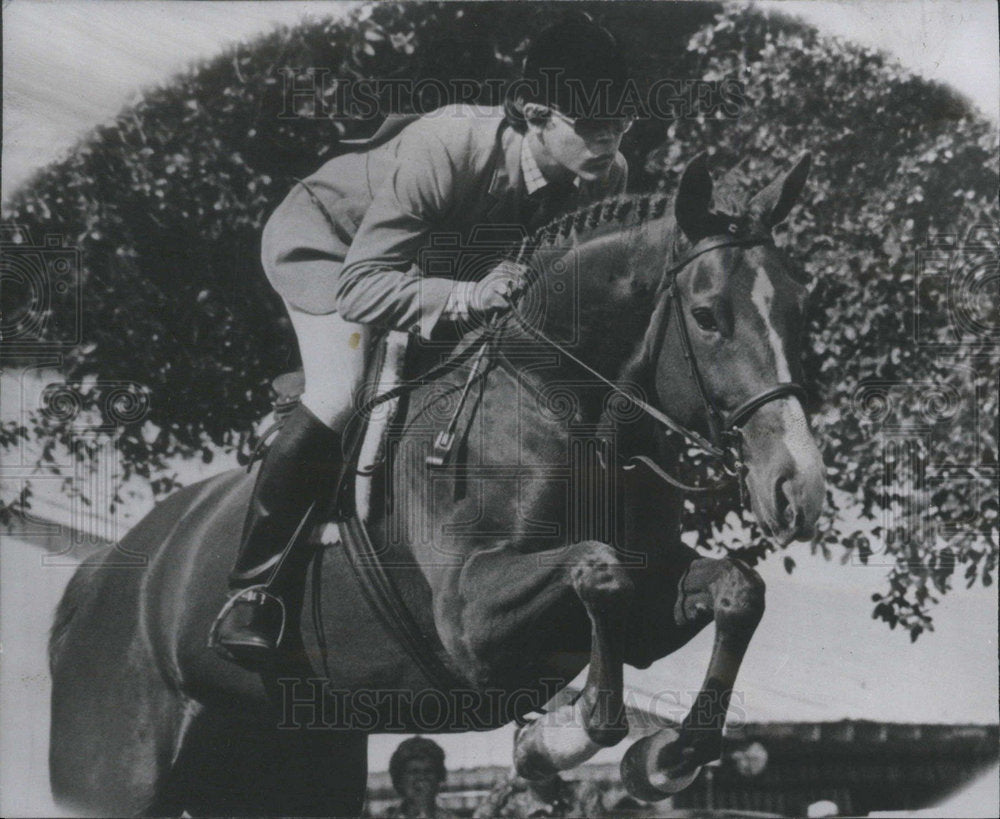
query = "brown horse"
{"x": 531, "y": 556}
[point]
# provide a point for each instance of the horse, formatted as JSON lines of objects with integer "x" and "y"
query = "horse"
{"x": 550, "y": 543}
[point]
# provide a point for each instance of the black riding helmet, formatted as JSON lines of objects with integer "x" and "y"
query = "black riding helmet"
{"x": 577, "y": 67}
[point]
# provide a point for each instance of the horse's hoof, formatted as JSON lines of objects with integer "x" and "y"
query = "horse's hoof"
{"x": 607, "y": 736}
{"x": 642, "y": 775}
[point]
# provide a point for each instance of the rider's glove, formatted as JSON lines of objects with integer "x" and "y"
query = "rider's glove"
{"x": 492, "y": 295}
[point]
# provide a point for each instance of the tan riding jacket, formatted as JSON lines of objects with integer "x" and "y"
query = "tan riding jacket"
{"x": 350, "y": 239}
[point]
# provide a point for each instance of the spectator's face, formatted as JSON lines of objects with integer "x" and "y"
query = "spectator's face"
{"x": 586, "y": 148}
{"x": 419, "y": 781}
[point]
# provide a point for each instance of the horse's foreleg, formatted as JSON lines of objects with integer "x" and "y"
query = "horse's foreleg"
{"x": 669, "y": 760}
{"x": 573, "y": 733}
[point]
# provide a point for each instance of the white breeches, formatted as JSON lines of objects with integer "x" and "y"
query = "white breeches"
{"x": 333, "y": 361}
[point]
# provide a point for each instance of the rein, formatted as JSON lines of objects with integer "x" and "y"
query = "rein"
{"x": 722, "y": 426}
{"x": 657, "y": 415}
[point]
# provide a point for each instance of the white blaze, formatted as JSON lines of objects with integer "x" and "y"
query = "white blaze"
{"x": 795, "y": 428}
{"x": 762, "y": 296}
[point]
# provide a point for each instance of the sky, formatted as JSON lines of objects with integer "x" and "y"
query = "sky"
{"x": 97, "y": 55}
{"x": 952, "y": 41}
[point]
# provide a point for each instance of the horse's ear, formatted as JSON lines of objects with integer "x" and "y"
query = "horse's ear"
{"x": 694, "y": 195}
{"x": 772, "y": 205}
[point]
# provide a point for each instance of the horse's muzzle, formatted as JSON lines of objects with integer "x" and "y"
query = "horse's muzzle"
{"x": 785, "y": 473}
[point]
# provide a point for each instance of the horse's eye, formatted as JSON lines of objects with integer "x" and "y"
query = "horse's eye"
{"x": 705, "y": 319}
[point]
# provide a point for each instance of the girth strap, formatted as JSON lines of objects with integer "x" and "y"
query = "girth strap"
{"x": 385, "y": 600}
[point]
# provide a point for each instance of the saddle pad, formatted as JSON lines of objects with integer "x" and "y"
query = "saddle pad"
{"x": 387, "y": 372}
{"x": 372, "y": 452}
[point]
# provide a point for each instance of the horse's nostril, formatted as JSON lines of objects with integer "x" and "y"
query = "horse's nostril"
{"x": 792, "y": 517}
{"x": 783, "y": 509}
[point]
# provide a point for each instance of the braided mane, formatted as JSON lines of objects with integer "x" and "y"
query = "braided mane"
{"x": 625, "y": 211}
{"x": 601, "y": 217}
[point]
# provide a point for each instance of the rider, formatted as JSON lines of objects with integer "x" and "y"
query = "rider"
{"x": 342, "y": 250}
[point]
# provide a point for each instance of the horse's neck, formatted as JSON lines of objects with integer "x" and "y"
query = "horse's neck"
{"x": 597, "y": 293}
{"x": 595, "y": 300}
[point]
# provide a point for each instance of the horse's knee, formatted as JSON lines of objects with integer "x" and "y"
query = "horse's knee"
{"x": 599, "y": 580}
{"x": 476, "y": 628}
{"x": 739, "y": 597}
{"x": 470, "y": 634}
{"x": 479, "y": 641}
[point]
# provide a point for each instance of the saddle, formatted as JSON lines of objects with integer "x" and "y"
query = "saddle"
{"x": 366, "y": 441}
{"x": 345, "y": 520}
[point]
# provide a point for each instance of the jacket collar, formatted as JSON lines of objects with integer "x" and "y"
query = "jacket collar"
{"x": 507, "y": 185}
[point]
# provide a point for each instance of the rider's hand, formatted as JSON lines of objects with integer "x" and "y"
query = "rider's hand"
{"x": 492, "y": 295}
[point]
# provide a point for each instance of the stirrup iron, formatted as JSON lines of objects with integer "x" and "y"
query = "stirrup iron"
{"x": 258, "y": 595}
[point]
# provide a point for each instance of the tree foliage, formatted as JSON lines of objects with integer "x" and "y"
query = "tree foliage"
{"x": 897, "y": 232}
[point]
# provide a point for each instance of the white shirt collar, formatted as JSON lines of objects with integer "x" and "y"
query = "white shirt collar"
{"x": 534, "y": 179}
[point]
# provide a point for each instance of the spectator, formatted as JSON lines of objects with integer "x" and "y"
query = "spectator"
{"x": 555, "y": 797}
{"x": 417, "y": 772}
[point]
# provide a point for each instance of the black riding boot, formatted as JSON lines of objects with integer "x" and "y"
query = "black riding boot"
{"x": 300, "y": 467}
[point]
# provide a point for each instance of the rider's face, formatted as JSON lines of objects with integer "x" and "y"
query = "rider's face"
{"x": 581, "y": 147}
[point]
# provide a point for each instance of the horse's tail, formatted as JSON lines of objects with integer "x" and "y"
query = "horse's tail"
{"x": 78, "y": 591}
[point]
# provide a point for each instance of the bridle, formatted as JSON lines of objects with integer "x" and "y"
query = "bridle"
{"x": 721, "y": 423}
{"x": 725, "y": 438}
